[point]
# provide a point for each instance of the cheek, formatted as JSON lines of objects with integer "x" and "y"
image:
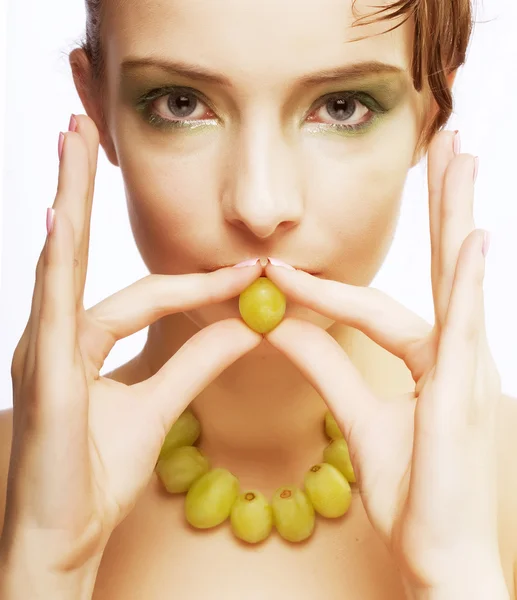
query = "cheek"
{"x": 171, "y": 207}
{"x": 355, "y": 199}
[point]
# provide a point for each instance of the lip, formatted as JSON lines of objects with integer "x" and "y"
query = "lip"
{"x": 212, "y": 269}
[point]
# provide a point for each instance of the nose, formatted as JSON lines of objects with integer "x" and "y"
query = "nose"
{"x": 262, "y": 192}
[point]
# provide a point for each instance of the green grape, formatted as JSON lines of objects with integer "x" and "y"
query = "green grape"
{"x": 184, "y": 432}
{"x": 209, "y": 499}
{"x": 262, "y": 305}
{"x": 251, "y": 517}
{"x": 181, "y": 467}
{"x": 328, "y": 490}
{"x": 331, "y": 427}
{"x": 336, "y": 454}
{"x": 293, "y": 514}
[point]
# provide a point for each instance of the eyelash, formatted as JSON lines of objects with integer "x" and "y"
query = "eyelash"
{"x": 144, "y": 104}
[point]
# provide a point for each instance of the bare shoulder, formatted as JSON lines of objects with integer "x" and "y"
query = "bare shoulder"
{"x": 6, "y": 432}
{"x": 507, "y": 476}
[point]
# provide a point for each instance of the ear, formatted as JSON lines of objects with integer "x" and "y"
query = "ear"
{"x": 92, "y": 99}
{"x": 420, "y": 152}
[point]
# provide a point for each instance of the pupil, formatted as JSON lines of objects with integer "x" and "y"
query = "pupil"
{"x": 341, "y": 108}
{"x": 182, "y": 105}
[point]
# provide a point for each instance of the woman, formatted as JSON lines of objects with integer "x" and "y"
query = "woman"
{"x": 265, "y": 135}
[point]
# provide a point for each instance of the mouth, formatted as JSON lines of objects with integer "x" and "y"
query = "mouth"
{"x": 298, "y": 268}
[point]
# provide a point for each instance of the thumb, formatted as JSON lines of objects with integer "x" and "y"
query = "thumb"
{"x": 196, "y": 364}
{"x": 325, "y": 364}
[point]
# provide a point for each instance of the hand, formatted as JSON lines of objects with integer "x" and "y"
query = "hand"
{"x": 425, "y": 462}
{"x": 84, "y": 447}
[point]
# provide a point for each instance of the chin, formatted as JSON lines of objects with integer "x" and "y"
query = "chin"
{"x": 229, "y": 309}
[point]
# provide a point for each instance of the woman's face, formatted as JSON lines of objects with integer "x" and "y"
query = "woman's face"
{"x": 262, "y": 137}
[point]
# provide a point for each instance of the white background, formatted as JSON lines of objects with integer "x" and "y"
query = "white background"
{"x": 39, "y": 94}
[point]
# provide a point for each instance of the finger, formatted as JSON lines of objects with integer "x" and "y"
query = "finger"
{"x": 71, "y": 198}
{"x": 197, "y": 363}
{"x": 156, "y": 296}
{"x": 55, "y": 340}
{"x": 440, "y": 155}
{"x": 22, "y": 357}
{"x": 87, "y": 129}
{"x": 457, "y": 222}
{"x": 458, "y": 353}
{"x": 327, "y": 367}
{"x": 377, "y": 315}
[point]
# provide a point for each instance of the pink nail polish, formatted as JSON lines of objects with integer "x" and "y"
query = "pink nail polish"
{"x": 246, "y": 263}
{"x": 486, "y": 243}
{"x": 457, "y": 143}
{"x": 279, "y": 263}
{"x": 60, "y": 145}
{"x": 72, "y": 126}
{"x": 50, "y": 220}
{"x": 476, "y": 167}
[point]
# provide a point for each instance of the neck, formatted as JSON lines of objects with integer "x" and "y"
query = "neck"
{"x": 261, "y": 419}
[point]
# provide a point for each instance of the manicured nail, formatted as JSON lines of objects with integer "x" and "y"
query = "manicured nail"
{"x": 457, "y": 142}
{"x": 50, "y": 220}
{"x": 60, "y": 145}
{"x": 72, "y": 126}
{"x": 476, "y": 167}
{"x": 279, "y": 263}
{"x": 486, "y": 243}
{"x": 246, "y": 263}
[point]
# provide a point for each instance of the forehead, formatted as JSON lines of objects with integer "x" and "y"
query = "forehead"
{"x": 254, "y": 39}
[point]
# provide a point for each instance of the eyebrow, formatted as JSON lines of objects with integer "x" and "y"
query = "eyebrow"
{"x": 352, "y": 71}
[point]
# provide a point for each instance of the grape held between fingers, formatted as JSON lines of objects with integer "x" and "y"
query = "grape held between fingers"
{"x": 181, "y": 467}
{"x": 293, "y": 514}
{"x": 251, "y": 517}
{"x": 262, "y": 305}
{"x": 328, "y": 490}
{"x": 210, "y": 499}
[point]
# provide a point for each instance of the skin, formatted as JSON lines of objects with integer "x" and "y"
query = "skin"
{"x": 272, "y": 185}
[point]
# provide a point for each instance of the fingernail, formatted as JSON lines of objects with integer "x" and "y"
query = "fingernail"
{"x": 486, "y": 243}
{"x": 457, "y": 142}
{"x": 476, "y": 167}
{"x": 246, "y": 263}
{"x": 72, "y": 126}
{"x": 60, "y": 145}
{"x": 50, "y": 220}
{"x": 279, "y": 263}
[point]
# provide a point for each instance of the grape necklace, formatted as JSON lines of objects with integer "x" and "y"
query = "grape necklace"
{"x": 213, "y": 494}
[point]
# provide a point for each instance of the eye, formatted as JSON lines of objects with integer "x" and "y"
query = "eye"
{"x": 342, "y": 109}
{"x": 180, "y": 104}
